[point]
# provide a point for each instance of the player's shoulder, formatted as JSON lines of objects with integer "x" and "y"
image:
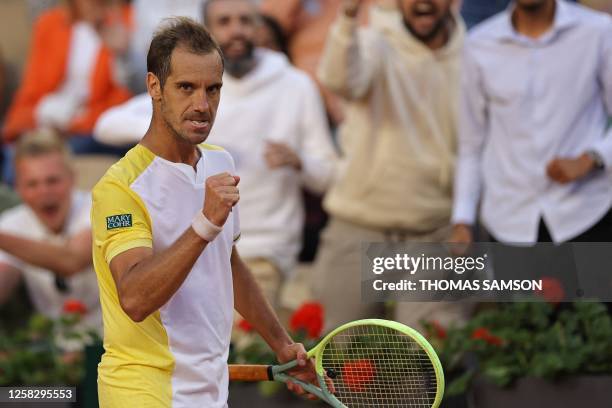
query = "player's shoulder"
{"x": 126, "y": 171}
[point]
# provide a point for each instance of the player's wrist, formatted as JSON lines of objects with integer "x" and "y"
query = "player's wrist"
{"x": 285, "y": 352}
{"x": 282, "y": 348}
{"x": 205, "y": 228}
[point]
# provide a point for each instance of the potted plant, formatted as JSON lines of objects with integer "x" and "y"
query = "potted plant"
{"x": 530, "y": 354}
{"x": 46, "y": 352}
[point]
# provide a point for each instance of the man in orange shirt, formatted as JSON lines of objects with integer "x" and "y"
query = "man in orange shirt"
{"x": 68, "y": 79}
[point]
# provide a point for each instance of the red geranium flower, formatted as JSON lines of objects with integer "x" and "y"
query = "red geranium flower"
{"x": 552, "y": 290}
{"x": 483, "y": 333}
{"x": 74, "y": 306}
{"x": 309, "y": 317}
{"x": 495, "y": 341}
{"x": 480, "y": 333}
{"x": 245, "y": 326}
{"x": 357, "y": 374}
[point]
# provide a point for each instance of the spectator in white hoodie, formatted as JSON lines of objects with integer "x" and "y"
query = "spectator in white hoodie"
{"x": 272, "y": 121}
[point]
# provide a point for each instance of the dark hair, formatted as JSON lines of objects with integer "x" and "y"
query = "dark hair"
{"x": 173, "y": 33}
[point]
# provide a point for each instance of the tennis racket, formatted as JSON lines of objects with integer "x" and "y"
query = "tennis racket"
{"x": 371, "y": 363}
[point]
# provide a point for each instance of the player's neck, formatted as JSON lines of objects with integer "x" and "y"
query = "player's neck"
{"x": 169, "y": 147}
{"x": 535, "y": 21}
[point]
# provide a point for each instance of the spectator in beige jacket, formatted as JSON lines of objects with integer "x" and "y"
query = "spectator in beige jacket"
{"x": 401, "y": 80}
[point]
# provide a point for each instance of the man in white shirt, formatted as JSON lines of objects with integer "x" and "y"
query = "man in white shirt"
{"x": 534, "y": 149}
{"x": 272, "y": 121}
{"x": 47, "y": 239}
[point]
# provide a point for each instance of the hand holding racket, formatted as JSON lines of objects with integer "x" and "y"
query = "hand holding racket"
{"x": 366, "y": 363}
{"x": 304, "y": 370}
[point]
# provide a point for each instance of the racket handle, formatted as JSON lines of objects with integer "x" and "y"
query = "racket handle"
{"x": 244, "y": 372}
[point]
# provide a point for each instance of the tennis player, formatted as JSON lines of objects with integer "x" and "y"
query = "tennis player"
{"x": 165, "y": 220}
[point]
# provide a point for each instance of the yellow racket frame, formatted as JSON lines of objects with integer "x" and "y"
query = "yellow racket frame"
{"x": 277, "y": 373}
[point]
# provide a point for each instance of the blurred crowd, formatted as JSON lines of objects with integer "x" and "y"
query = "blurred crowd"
{"x": 390, "y": 120}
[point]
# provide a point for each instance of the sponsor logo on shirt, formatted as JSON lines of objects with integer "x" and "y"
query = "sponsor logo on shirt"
{"x": 118, "y": 221}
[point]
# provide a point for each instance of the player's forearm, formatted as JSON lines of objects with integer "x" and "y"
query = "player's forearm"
{"x": 60, "y": 259}
{"x": 250, "y": 302}
{"x": 149, "y": 284}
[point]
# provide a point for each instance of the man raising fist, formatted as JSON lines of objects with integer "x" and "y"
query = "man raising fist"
{"x": 400, "y": 78}
{"x": 164, "y": 222}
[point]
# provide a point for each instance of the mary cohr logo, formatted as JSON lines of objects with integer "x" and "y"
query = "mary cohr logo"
{"x": 118, "y": 221}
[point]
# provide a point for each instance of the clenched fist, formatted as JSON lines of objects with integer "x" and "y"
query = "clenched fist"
{"x": 221, "y": 196}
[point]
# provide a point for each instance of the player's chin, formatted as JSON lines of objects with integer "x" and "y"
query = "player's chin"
{"x": 196, "y": 137}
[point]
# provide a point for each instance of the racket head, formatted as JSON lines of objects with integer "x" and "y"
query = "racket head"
{"x": 379, "y": 363}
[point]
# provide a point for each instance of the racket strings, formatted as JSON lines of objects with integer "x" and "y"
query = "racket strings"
{"x": 377, "y": 366}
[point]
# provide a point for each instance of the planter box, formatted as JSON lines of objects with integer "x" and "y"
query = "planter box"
{"x": 577, "y": 392}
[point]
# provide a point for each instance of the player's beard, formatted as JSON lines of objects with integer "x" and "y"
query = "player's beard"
{"x": 175, "y": 130}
